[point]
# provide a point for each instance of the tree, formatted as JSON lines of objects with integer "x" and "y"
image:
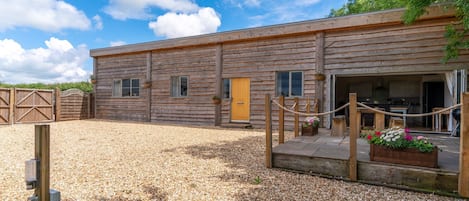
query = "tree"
{"x": 455, "y": 33}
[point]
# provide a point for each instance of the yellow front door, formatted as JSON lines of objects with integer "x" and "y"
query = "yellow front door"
{"x": 240, "y": 102}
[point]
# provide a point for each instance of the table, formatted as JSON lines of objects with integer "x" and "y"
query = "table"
{"x": 402, "y": 110}
{"x": 378, "y": 123}
{"x": 437, "y": 118}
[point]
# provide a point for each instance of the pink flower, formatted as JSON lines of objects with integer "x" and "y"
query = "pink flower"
{"x": 420, "y": 137}
{"x": 369, "y": 137}
{"x": 408, "y": 137}
{"x": 406, "y": 130}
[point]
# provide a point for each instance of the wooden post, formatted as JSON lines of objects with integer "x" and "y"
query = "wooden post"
{"x": 58, "y": 103}
{"x": 42, "y": 144}
{"x": 379, "y": 121}
{"x": 218, "y": 81}
{"x": 148, "y": 78}
{"x": 11, "y": 116}
{"x": 268, "y": 131}
{"x": 353, "y": 137}
{"x": 297, "y": 117}
{"x": 95, "y": 71}
{"x": 281, "y": 121}
{"x": 308, "y": 105}
{"x": 463, "y": 186}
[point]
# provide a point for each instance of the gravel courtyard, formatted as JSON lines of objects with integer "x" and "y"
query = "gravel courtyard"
{"x": 95, "y": 160}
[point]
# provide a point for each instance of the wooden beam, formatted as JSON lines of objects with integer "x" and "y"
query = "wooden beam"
{"x": 95, "y": 71}
{"x": 281, "y": 121}
{"x": 297, "y": 117}
{"x": 218, "y": 81}
{"x": 268, "y": 131}
{"x": 353, "y": 137}
{"x": 463, "y": 186}
{"x": 42, "y": 149}
{"x": 11, "y": 115}
{"x": 58, "y": 103}
{"x": 148, "y": 78}
{"x": 319, "y": 84}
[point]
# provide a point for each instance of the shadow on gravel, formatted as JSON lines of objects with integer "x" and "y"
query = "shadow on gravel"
{"x": 154, "y": 193}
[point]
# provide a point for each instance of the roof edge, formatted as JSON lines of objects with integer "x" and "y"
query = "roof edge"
{"x": 324, "y": 24}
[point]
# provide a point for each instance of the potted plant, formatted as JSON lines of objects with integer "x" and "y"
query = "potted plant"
{"x": 93, "y": 79}
{"x": 395, "y": 145}
{"x": 216, "y": 100}
{"x": 310, "y": 126}
{"x": 147, "y": 84}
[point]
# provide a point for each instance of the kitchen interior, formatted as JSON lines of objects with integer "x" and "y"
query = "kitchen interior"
{"x": 412, "y": 94}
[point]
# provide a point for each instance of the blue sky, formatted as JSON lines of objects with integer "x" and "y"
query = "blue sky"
{"x": 49, "y": 41}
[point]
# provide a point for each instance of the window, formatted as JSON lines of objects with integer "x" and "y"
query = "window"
{"x": 126, "y": 87}
{"x": 226, "y": 88}
{"x": 289, "y": 84}
{"x": 179, "y": 86}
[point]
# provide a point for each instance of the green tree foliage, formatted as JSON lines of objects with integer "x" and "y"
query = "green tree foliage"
{"x": 456, "y": 33}
{"x": 84, "y": 86}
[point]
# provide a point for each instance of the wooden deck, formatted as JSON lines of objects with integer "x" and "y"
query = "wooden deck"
{"x": 325, "y": 155}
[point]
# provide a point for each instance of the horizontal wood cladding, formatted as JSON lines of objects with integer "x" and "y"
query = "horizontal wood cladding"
{"x": 74, "y": 107}
{"x": 198, "y": 64}
{"x": 260, "y": 60}
{"x": 396, "y": 48}
{"x": 116, "y": 67}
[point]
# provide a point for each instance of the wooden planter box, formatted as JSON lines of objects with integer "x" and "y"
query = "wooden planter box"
{"x": 410, "y": 156}
{"x": 309, "y": 131}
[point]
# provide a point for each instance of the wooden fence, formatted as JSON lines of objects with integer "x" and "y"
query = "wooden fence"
{"x": 39, "y": 106}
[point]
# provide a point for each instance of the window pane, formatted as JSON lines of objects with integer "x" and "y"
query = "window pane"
{"x": 282, "y": 83}
{"x": 226, "y": 88}
{"x": 296, "y": 83}
{"x": 126, "y": 87}
{"x": 135, "y": 87}
{"x": 116, "y": 88}
{"x": 183, "y": 86}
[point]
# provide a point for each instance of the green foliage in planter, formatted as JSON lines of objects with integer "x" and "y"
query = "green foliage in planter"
{"x": 398, "y": 138}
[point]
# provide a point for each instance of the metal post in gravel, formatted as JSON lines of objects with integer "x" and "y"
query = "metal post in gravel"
{"x": 463, "y": 186}
{"x": 353, "y": 137}
{"x": 268, "y": 131}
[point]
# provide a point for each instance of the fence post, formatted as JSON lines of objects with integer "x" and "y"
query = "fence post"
{"x": 42, "y": 144}
{"x": 463, "y": 185}
{"x": 281, "y": 121}
{"x": 308, "y": 106}
{"x": 268, "y": 131}
{"x": 11, "y": 117}
{"x": 353, "y": 137}
{"x": 58, "y": 102}
{"x": 297, "y": 117}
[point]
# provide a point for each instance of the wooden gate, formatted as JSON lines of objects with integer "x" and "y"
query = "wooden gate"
{"x": 32, "y": 106}
{"x": 5, "y": 106}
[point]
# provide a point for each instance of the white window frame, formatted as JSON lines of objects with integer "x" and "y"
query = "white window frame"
{"x": 178, "y": 87}
{"x": 290, "y": 83}
{"x": 117, "y": 87}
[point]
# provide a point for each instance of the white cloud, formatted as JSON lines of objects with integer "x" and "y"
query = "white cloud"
{"x": 98, "y": 22}
{"x": 174, "y": 25}
{"x": 141, "y": 9}
{"x": 46, "y": 15}
{"x": 117, "y": 43}
{"x": 59, "y": 62}
{"x": 306, "y": 2}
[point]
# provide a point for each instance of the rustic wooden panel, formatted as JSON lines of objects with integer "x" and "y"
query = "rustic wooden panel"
{"x": 74, "y": 105}
{"x": 260, "y": 60}
{"x": 129, "y": 66}
{"x": 392, "y": 48}
{"x": 4, "y": 106}
{"x": 32, "y": 106}
{"x": 199, "y": 65}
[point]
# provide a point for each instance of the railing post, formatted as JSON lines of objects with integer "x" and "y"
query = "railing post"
{"x": 463, "y": 185}
{"x": 308, "y": 105}
{"x": 268, "y": 131}
{"x": 281, "y": 121}
{"x": 42, "y": 144}
{"x": 297, "y": 117}
{"x": 353, "y": 137}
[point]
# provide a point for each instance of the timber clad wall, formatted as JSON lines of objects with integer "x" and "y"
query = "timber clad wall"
{"x": 396, "y": 48}
{"x": 198, "y": 63}
{"x": 74, "y": 105}
{"x": 367, "y": 44}
{"x": 120, "y": 67}
{"x": 260, "y": 60}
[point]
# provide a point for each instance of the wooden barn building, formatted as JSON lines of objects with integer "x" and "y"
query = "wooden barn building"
{"x": 374, "y": 54}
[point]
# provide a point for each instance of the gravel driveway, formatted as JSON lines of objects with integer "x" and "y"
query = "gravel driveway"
{"x": 95, "y": 160}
